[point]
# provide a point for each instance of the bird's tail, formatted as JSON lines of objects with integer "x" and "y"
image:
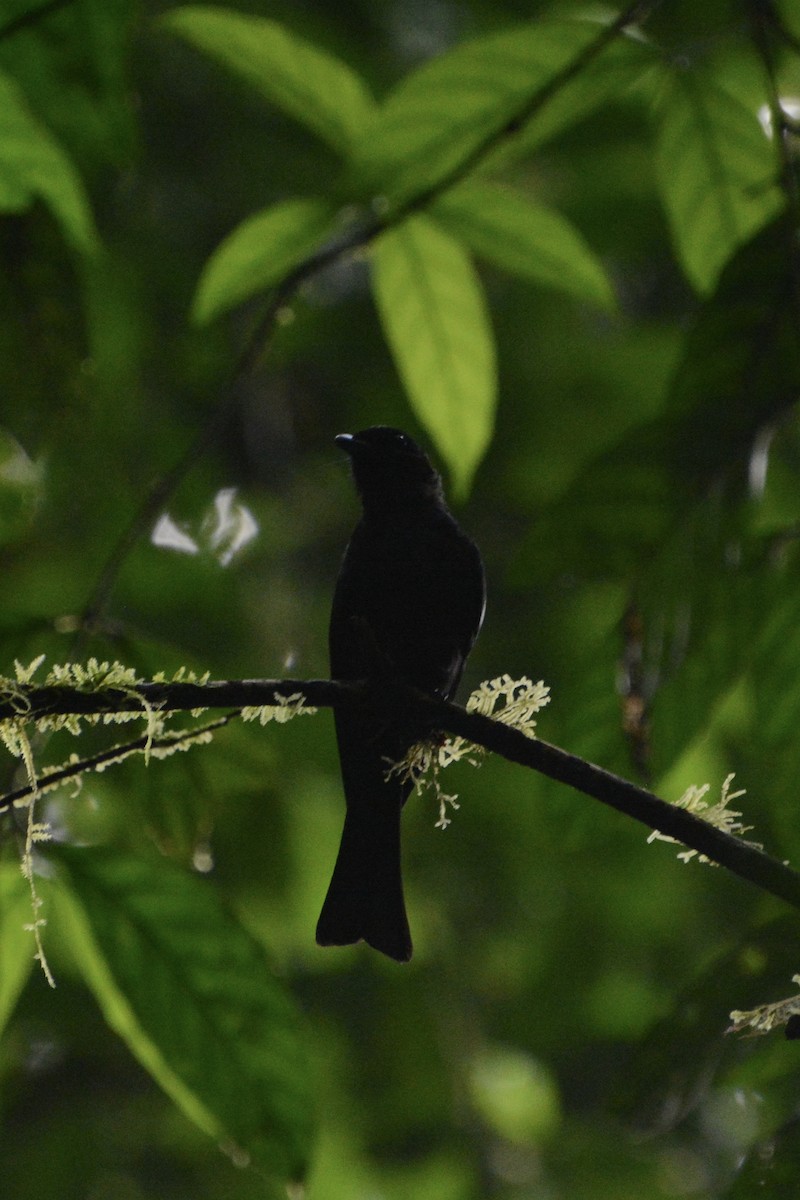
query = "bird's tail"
{"x": 365, "y": 897}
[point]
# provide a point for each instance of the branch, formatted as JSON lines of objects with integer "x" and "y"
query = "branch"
{"x": 31, "y": 703}
{"x": 744, "y": 860}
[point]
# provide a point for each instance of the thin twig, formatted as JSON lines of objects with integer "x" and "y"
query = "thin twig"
{"x": 527, "y": 110}
{"x": 61, "y": 775}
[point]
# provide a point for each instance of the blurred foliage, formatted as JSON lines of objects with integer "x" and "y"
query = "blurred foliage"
{"x": 631, "y": 473}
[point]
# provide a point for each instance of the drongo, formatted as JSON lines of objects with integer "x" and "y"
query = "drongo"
{"x": 409, "y": 601}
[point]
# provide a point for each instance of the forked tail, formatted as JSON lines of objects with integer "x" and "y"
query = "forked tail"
{"x": 365, "y": 897}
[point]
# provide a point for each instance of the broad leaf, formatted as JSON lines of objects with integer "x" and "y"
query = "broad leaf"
{"x": 437, "y": 118}
{"x": 610, "y": 77}
{"x": 191, "y": 993}
{"x": 309, "y": 84}
{"x": 716, "y": 169}
{"x": 33, "y": 165}
{"x": 790, "y": 16}
{"x": 526, "y": 239}
{"x": 258, "y": 254}
{"x": 741, "y": 365}
{"x": 17, "y": 947}
{"x": 435, "y": 319}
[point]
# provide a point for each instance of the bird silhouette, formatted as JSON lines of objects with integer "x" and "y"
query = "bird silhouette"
{"x": 409, "y": 600}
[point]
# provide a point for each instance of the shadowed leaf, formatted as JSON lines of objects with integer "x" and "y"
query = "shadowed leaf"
{"x": 190, "y": 992}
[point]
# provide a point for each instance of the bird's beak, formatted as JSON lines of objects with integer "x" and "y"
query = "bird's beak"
{"x": 345, "y": 442}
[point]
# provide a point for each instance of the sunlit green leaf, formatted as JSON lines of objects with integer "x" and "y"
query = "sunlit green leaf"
{"x": 610, "y": 77}
{"x": 717, "y": 171}
{"x": 16, "y": 942}
{"x": 441, "y": 114}
{"x": 32, "y": 165}
{"x": 309, "y": 84}
{"x": 435, "y": 319}
{"x": 258, "y": 253}
{"x": 525, "y": 238}
{"x": 191, "y": 993}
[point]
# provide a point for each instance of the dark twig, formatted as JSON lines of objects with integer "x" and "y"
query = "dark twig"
{"x": 73, "y": 770}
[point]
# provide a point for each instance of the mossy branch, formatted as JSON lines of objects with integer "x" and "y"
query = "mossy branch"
{"x": 399, "y": 702}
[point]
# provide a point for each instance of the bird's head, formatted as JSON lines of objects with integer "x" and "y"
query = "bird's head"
{"x": 389, "y": 466}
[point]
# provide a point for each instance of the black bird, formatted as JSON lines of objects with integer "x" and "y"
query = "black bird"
{"x": 409, "y": 600}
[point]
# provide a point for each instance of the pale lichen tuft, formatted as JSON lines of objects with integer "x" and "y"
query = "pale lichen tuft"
{"x": 511, "y": 701}
{"x": 719, "y": 815}
{"x": 285, "y": 710}
{"x": 765, "y": 1018}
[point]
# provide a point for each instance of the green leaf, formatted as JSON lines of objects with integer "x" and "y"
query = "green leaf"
{"x": 741, "y": 365}
{"x": 17, "y": 947}
{"x": 716, "y": 170}
{"x": 33, "y": 164}
{"x": 440, "y": 115}
{"x": 434, "y": 316}
{"x": 525, "y": 238}
{"x": 258, "y": 254}
{"x": 318, "y": 90}
{"x": 74, "y": 68}
{"x": 610, "y": 77}
{"x": 789, "y": 16}
{"x": 190, "y": 992}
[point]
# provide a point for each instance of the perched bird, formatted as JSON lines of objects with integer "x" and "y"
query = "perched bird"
{"x": 409, "y": 600}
